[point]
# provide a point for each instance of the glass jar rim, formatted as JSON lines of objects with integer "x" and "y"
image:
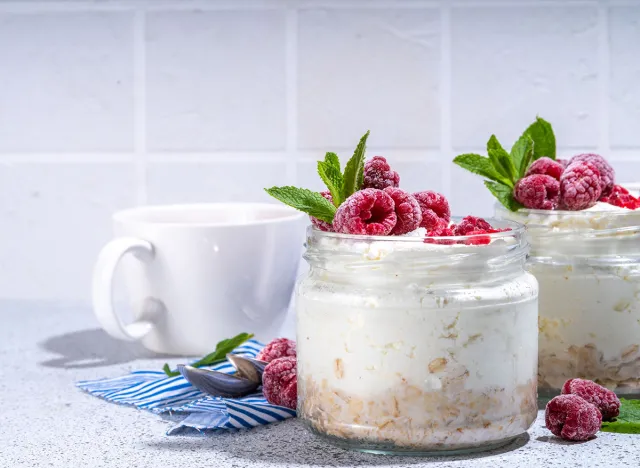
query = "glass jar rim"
{"x": 516, "y": 230}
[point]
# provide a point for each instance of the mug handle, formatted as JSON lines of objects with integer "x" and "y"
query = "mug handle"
{"x": 102, "y": 290}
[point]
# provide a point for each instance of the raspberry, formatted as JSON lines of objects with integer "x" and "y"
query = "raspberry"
{"x": 379, "y": 175}
{"x": 469, "y": 224}
{"x": 280, "y": 382}
{"x": 477, "y": 239}
{"x": 621, "y": 197}
{"x": 564, "y": 162}
{"x": 572, "y": 418}
{"x": 318, "y": 223}
{"x": 607, "y": 174}
{"x": 603, "y": 398}
{"x": 546, "y": 166}
{"x": 407, "y": 211}
{"x": 434, "y": 207}
{"x": 538, "y": 191}
{"x": 368, "y": 212}
{"x": 441, "y": 230}
{"x": 280, "y": 347}
{"x": 580, "y": 186}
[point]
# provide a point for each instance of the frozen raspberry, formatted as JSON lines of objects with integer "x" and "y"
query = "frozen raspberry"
{"x": 538, "y": 191}
{"x": 478, "y": 239}
{"x": 607, "y": 174}
{"x": 580, "y": 186}
{"x": 442, "y": 229}
{"x": 367, "y": 212}
{"x": 407, "y": 211}
{"x": 280, "y": 347}
{"x": 471, "y": 223}
{"x": 318, "y": 223}
{"x": 572, "y": 418}
{"x": 379, "y": 175}
{"x": 280, "y": 383}
{"x": 546, "y": 166}
{"x": 603, "y": 398}
{"x": 564, "y": 162}
{"x": 434, "y": 207}
{"x": 621, "y": 197}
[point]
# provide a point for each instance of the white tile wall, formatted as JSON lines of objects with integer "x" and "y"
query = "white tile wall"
{"x": 106, "y": 104}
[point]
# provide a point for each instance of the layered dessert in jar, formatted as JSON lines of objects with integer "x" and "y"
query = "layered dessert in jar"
{"x": 416, "y": 332}
{"x": 584, "y": 232}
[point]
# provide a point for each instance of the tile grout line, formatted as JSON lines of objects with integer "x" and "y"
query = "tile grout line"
{"x": 445, "y": 97}
{"x": 604, "y": 144}
{"x": 139, "y": 96}
{"x": 291, "y": 90}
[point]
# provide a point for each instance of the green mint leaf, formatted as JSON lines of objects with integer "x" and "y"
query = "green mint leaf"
{"x": 304, "y": 200}
{"x": 332, "y": 178}
{"x": 544, "y": 141}
{"x": 522, "y": 154}
{"x": 167, "y": 370}
{"x": 354, "y": 170}
{"x": 628, "y": 422}
{"x": 220, "y": 354}
{"x": 504, "y": 194}
{"x": 482, "y": 166}
{"x": 500, "y": 159}
{"x": 332, "y": 159}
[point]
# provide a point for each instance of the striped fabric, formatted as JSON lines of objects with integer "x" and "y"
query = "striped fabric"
{"x": 155, "y": 392}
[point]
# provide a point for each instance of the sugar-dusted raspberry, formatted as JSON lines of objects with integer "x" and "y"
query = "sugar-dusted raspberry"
{"x": 471, "y": 223}
{"x": 434, "y": 207}
{"x": 366, "y": 212}
{"x": 408, "y": 211}
{"x": 621, "y": 197}
{"x": 546, "y": 166}
{"x": 379, "y": 175}
{"x": 477, "y": 239}
{"x": 277, "y": 348}
{"x": 603, "y": 398}
{"x": 280, "y": 383}
{"x": 607, "y": 174}
{"x": 318, "y": 223}
{"x": 564, "y": 162}
{"x": 572, "y": 418}
{"x": 442, "y": 229}
{"x": 538, "y": 191}
{"x": 580, "y": 186}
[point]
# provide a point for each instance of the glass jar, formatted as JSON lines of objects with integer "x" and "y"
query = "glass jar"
{"x": 588, "y": 267}
{"x": 413, "y": 347}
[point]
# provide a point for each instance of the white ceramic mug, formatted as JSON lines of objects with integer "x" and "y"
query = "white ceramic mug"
{"x": 200, "y": 273}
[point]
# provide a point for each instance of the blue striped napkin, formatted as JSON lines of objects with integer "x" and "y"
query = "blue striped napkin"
{"x": 155, "y": 392}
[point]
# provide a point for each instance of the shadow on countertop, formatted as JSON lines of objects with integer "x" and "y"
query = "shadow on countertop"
{"x": 92, "y": 348}
{"x": 289, "y": 442}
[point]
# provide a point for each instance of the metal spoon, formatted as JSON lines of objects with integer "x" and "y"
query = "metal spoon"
{"x": 217, "y": 384}
{"x": 248, "y": 368}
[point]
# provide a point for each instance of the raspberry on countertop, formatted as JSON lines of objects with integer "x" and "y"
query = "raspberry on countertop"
{"x": 572, "y": 418}
{"x": 280, "y": 383}
{"x": 603, "y": 398}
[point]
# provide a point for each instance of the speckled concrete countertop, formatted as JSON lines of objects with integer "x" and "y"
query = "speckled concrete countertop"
{"x": 46, "y": 421}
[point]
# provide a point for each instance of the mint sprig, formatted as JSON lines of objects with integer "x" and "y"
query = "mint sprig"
{"x": 218, "y": 355}
{"x": 304, "y": 200}
{"x": 628, "y": 421}
{"x": 543, "y": 138}
{"x": 329, "y": 172}
{"x": 341, "y": 185}
{"x": 354, "y": 170}
{"x": 504, "y": 169}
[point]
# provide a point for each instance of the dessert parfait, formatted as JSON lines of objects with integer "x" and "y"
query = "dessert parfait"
{"x": 416, "y": 331}
{"x": 584, "y": 231}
